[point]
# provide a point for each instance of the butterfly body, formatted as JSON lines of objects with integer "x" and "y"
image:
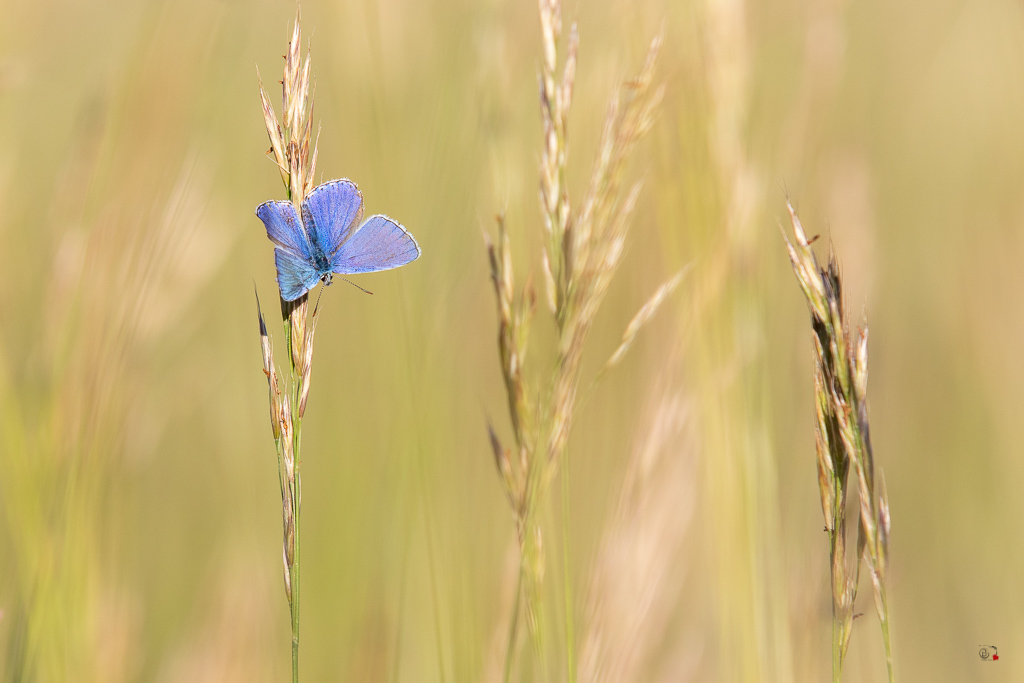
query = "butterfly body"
{"x": 330, "y": 238}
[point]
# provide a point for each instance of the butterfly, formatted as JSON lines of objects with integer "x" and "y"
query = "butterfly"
{"x": 330, "y": 238}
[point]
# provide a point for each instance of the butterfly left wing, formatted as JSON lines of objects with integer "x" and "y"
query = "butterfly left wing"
{"x": 284, "y": 227}
{"x": 378, "y": 244}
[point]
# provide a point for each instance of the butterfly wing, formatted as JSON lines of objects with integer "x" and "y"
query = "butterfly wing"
{"x": 284, "y": 227}
{"x": 331, "y": 213}
{"x": 378, "y": 244}
{"x": 295, "y": 275}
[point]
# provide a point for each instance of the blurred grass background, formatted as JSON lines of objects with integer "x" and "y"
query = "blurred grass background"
{"x": 139, "y": 524}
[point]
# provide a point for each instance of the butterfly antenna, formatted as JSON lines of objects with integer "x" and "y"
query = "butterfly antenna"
{"x": 365, "y": 291}
{"x": 316, "y": 306}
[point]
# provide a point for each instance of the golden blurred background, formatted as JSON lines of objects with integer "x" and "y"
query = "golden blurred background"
{"x": 140, "y": 522}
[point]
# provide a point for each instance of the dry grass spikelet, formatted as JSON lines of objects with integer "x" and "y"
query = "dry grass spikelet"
{"x": 843, "y": 439}
{"x": 290, "y": 141}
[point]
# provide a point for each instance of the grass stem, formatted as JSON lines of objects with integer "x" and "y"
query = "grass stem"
{"x": 295, "y": 570}
{"x": 513, "y": 627}
{"x": 837, "y": 649}
{"x": 570, "y": 639}
{"x": 884, "y": 618}
{"x": 296, "y": 493}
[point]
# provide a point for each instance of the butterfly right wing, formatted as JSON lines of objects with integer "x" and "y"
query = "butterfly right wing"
{"x": 295, "y": 276}
{"x": 295, "y": 272}
{"x": 378, "y": 244}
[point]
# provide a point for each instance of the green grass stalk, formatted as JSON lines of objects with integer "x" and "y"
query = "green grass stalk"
{"x": 570, "y": 638}
{"x": 884, "y": 618}
{"x": 513, "y": 628}
{"x": 295, "y": 156}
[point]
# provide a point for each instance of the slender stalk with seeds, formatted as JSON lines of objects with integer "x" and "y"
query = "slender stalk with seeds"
{"x": 290, "y": 148}
{"x": 843, "y": 438}
{"x": 580, "y": 257}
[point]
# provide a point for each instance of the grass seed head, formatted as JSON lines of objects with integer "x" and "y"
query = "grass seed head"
{"x": 287, "y": 442}
{"x": 884, "y": 526}
{"x": 581, "y": 253}
{"x": 277, "y": 143}
{"x": 843, "y": 434}
{"x": 291, "y": 136}
{"x": 297, "y": 319}
{"x": 270, "y": 370}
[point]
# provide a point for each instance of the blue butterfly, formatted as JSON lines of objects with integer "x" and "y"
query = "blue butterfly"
{"x": 331, "y": 238}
